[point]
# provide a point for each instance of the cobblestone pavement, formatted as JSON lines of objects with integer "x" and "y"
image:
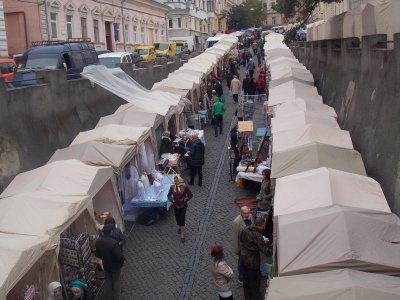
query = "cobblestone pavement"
{"x": 158, "y": 265}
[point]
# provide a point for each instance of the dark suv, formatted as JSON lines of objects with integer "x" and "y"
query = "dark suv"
{"x": 72, "y": 56}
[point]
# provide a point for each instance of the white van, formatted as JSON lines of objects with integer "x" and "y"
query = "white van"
{"x": 278, "y": 29}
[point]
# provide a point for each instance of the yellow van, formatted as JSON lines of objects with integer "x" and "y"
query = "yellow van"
{"x": 165, "y": 49}
{"x": 181, "y": 48}
{"x": 148, "y": 52}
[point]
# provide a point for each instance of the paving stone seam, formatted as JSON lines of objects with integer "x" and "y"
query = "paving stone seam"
{"x": 195, "y": 257}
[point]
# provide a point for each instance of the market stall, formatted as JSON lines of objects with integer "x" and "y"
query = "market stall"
{"x": 343, "y": 284}
{"x": 300, "y": 104}
{"x": 315, "y": 155}
{"x": 292, "y": 90}
{"x": 361, "y": 239}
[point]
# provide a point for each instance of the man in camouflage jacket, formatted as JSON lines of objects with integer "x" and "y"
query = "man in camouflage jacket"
{"x": 251, "y": 244}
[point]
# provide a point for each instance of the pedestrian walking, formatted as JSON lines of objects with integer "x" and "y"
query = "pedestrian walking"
{"x": 221, "y": 272}
{"x": 110, "y": 252}
{"x": 235, "y": 88}
{"x": 251, "y": 244}
{"x": 116, "y": 233}
{"x": 250, "y": 67}
{"x": 196, "y": 160}
{"x": 244, "y": 219}
{"x": 179, "y": 194}
{"x": 246, "y": 84}
{"x": 260, "y": 86}
{"x": 217, "y": 113}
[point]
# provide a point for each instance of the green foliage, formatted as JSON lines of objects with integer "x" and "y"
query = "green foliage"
{"x": 290, "y": 36}
{"x": 302, "y": 8}
{"x": 250, "y": 13}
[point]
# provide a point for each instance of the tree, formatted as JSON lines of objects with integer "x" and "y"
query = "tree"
{"x": 250, "y": 13}
{"x": 304, "y": 8}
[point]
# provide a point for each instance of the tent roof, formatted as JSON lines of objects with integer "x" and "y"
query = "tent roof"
{"x": 307, "y": 134}
{"x": 67, "y": 177}
{"x": 334, "y": 237}
{"x": 300, "y": 104}
{"x": 17, "y": 254}
{"x": 132, "y": 119}
{"x": 301, "y": 118}
{"x": 342, "y": 284}
{"x": 302, "y": 74}
{"x": 114, "y": 134}
{"x": 97, "y": 153}
{"x": 41, "y": 213}
{"x": 315, "y": 155}
{"x": 325, "y": 187}
{"x": 291, "y": 90}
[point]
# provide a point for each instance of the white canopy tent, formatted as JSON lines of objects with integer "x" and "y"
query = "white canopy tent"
{"x": 300, "y": 119}
{"x": 18, "y": 253}
{"x": 114, "y": 134}
{"x": 334, "y": 237}
{"x": 300, "y": 104}
{"x": 308, "y": 134}
{"x": 342, "y": 284}
{"x": 97, "y": 154}
{"x": 302, "y": 74}
{"x": 315, "y": 155}
{"x": 291, "y": 90}
{"x": 132, "y": 119}
{"x": 68, "y": 177}
{"x": 324, "y": 187}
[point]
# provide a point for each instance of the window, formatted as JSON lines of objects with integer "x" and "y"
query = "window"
{"x": 135, "y": 38}
{"x": 116, "y": 32}
{"x": 53, "y": 24}
{"x": 273, "y": 20}
{"x": 204, "y": 5}
{"x": 162, "y": 34}
{"x": 179, "y": 23}
{"x": 142, "y": 34}
{"x": 69, "y": 26}
{"x": 96, "y": 30}
{"x": 170, "y": 23}
{"x": 156, "y": 35}
{"x": 84, "y": 28}
{"x": 272, "y": 5}
{"x": 126, "y": 33}
{"x": 210, "y": 5}
{"x": 88, "y": 56}
{"x": 6, "y": 68}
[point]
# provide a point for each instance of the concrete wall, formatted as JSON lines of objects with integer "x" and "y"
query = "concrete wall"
{"x": 35, "y": 121}
{"x": 362, "y": 84}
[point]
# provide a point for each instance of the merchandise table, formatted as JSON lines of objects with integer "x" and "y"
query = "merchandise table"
{"x": 149, "y": 200}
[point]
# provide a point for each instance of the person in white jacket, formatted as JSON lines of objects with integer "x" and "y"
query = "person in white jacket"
{"x": 222, "y": 273}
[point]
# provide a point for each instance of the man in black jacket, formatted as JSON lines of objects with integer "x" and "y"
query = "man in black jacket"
{"x": 196, "y": 159}
{"x": 111, "y": 255}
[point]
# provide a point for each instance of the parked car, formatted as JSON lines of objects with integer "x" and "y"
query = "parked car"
{"x": 278, "y": 29}
{"x": 181, "y": 48}
{"x": 165, "y": 49}
{"x": 111, "y": 60}
{"x": 147, "y": 52}
{"x": 102, "y": 51}
{"x": 7, "y": 67}
{"x": 71, "y": 56}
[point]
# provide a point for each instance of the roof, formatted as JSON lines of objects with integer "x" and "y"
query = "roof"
{"x": 114, "y": 54}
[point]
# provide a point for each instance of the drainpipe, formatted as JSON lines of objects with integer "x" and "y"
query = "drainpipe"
{"x": 123, "y": 23}
{"x": 47, "y": 20}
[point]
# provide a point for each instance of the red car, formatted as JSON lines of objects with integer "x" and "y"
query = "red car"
{"x": 7, "y": 66}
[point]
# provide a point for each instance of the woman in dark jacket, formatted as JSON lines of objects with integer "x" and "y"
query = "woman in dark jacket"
{"x": 179, "y": 194}
{"x": 196, "y": 159}
{"x": 166, "y": 143}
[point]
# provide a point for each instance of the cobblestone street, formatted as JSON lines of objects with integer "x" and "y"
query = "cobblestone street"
{"x": 158, "y": 265}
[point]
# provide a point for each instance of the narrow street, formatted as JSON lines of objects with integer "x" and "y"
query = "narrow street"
{"x": 158, "y": 265}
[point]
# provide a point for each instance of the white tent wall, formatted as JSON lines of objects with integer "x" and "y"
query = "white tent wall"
{"x": 108, "y": 200}
{"x": 41, "y": 273}
{"x": 21, "y": 253}
{"x": 368, "y": 21}
{"x": 387, "y": 19}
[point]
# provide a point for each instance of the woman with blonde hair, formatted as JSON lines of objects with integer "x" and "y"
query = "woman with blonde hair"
{"x": 179, "y": 194}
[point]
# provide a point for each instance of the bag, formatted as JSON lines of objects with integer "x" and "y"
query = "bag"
{"x": 230, "y": 93}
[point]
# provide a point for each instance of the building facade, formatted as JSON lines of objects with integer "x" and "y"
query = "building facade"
{"x": 190, "y": 21}
{"x": 3, "y": 35}
{"x": 273, "y": 18}
{"x": 115, "y": 25}
{"x": 325, "y": 11}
